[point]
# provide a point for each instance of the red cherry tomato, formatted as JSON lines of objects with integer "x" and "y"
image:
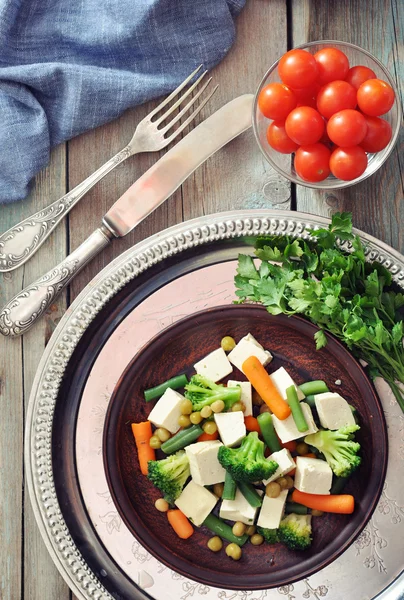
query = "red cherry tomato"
{"x": 312, "y": 162}
{"x": 306, "y": 96}
{"x": 304, "y": 125}
{"x": 332, "y": 64}
{"x": 378, "y": 134}
{"x": 335, "y": 96}
{"x": 298, "y": 69}
{"x": 358, "y": 75}
{"x": 278, "y": 138}
{"x": 375, "y": 97}
{"x": 276, "y": 101}
{"x": 347, "y": 128}
{"x": 348, "y": 163}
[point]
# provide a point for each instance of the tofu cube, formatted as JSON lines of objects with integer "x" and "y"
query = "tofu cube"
{"x": 238, "y": 510}
{"x": 282, "y": 381}
{"x": 231, "y": 427}
{"x": 285, "y": 461}
{"x": 272, "y": 510}
{"x": 333, "y": 411}
{"x": 248, "y": 346}
{"x": 313, "y": 475}
{"x": 287, "y": 430}
{"x": 196, "y": 502}
{"x": 246, "y": 394}
{"x": 167, "y": 411}
{"x": 214, "y": 366}
{"x": 203, "y": 462}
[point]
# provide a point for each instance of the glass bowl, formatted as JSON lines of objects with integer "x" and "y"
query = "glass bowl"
{"x": 283, "y": 163}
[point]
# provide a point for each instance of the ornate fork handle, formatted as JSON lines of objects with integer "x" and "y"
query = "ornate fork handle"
{"x": 27, "y": 306}
{"x": 19, "y": 243}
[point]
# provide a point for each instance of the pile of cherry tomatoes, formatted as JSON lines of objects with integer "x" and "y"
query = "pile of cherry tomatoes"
{"x": 327, "y": 113}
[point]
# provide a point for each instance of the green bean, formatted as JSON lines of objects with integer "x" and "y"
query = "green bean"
{"x": 250, "y": 494}
{"x": 223, "y": 530}
{"x": 174, "y": 383}
{"x": 181, "y": 439}
{"x": 230, "y": 487}
{"x": 296, "y": 409}
{"x": 310, "y": 401}
{"x": 268, "y": 432}
{"x": 294, "y": 507}
{"x": 310, "y": 388}
{"x": 338, "y": 484}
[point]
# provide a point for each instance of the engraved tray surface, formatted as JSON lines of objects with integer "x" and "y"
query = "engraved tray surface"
{"x": 172, "y": 274}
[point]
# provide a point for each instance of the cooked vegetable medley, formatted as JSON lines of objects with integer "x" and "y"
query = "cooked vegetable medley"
{"x": 245, "y": 478}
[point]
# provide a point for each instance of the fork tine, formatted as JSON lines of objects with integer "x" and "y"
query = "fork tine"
{"x": 180, "y": 100}
{"x": 191, "y": 117}
{"x": 175, "y": 92}
{"x": 186, "y": 108}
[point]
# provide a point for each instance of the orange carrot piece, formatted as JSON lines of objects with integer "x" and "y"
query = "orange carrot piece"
{"x": 343, "y": 504}
{"x": 263, "y": 384}
{"x": 291, "y": 446}
{"x": 142, "y": 433}
{"x": 251, "y": 424}
{"x": 180, "y": 524}
{"x": 309, "y": 455}
{"x": 207, "y": 437}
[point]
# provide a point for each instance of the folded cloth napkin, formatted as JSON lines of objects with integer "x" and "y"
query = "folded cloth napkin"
{"x": 66, "y": 67}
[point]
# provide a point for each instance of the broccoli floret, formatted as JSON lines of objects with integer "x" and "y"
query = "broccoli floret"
{"x": 338, "y": 447}
{"x": 203, "y": 392}
{"x": 295, "y": 531}
{"x": 247, "y": 463}
{"x": 269, "y": 535}
{"x": 170, "y": 474}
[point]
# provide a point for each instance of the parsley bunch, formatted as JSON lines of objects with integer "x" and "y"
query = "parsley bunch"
{"x": 339, "y": 291}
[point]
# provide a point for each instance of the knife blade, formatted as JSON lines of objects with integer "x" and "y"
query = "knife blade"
{"x": 143, "y": 197}
{"x": 167, "y": 174}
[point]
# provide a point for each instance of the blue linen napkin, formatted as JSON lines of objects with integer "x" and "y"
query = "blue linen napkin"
{"x": 67, "y": 66}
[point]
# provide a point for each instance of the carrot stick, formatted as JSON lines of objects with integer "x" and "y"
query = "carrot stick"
{"x": 309, "y": 455}
{"x": 180, "y": 524}
{"x": 251, "y": 424}
{"x": 142, "y": 433}
{"x": 262, "y": 383}
{"x": 343, "y": 504}
{"x": 207, "y": 437}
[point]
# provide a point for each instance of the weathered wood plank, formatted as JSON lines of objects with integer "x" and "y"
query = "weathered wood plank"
{"x": 376, "y": 25}
{"x": 238, "y": 177}
{"x": 27, "y": 570}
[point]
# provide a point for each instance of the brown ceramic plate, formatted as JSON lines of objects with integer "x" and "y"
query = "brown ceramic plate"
{"x": 174, "y": 351}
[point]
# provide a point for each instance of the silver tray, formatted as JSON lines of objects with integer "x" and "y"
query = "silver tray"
{"x": 378, "y": 549}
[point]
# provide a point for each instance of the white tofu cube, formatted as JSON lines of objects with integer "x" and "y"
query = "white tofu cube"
{"x": 282, "y": 380}
{"x": 203, "y": 462}
{"x": 246, "y": 394}
{"x": 238, "y": 510}
{"x": 196, "y": 502}
{"x": 333, "y": 410}
{"x": 248, "y": 346}
{"x": 272, "y": 510}
{"x": 231, "y": 427}
{"x": 285, "y": 461}
{"x": 313, "y": 475}
{"x": 287, "y": 430}
{"x": 167, "y": 411}
{"x": 214, "y": 366}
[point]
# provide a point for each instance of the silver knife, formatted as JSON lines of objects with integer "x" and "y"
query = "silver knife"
{"x": 142, "y": 198}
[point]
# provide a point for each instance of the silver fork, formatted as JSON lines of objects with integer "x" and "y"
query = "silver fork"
{"x": 19, "y": 243}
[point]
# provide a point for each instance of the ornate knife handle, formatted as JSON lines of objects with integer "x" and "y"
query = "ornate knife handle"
{"x": 28, "y": 306}
{"x": 20, "y": 242}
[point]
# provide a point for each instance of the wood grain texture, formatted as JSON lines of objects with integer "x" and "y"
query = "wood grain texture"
{"x": 376, "y": 25}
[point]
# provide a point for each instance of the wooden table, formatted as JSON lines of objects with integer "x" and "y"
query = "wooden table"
{"x": 235, "y": 178}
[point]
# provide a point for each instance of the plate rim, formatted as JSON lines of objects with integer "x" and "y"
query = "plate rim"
{"x": 124, "y": 268}
{"x": 106, "y": 432}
